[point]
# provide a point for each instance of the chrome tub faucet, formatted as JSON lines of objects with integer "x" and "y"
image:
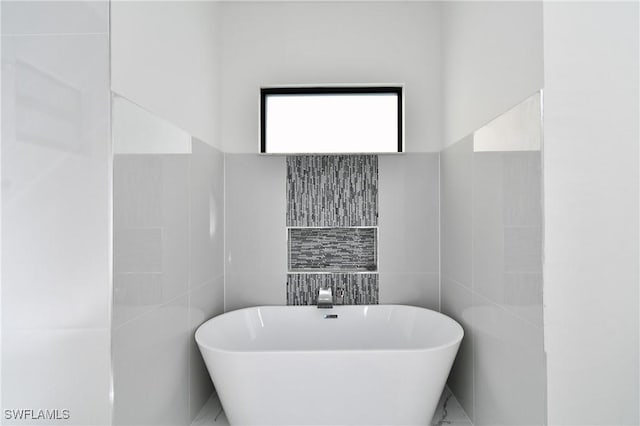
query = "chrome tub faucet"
{"x": 325, "y": 298}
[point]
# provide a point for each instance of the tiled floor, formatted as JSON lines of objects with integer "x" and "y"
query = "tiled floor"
{"x": 448, "y": 413}
{"x": 211, "y": 414}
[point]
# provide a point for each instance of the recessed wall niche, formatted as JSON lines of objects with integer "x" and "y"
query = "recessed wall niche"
{"x": 332, "y": 249}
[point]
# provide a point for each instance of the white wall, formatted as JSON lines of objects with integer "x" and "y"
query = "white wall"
{"x": 591, "y": 211}
{"x": 491, "y": 60}
{"x": 56, "y": 210}
{"x": 165, "y": 57}
{"x": 277, "y": 43}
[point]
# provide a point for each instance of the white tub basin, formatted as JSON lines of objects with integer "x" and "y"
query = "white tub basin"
{"x": 289, "y": 365}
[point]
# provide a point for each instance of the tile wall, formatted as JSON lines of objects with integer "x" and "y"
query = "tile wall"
{"x": 56, "y": 213}
{"x": 332, "y": 190}
{"x": 492, "y": 267}
{"x": 332, "y": 217}
{"x": 359, "y": 289}
{"x": 407, "y": 228}
{"x": 168, "y": 266}
{"x": 256, "y": 233}
{"x": 333, "y": 249}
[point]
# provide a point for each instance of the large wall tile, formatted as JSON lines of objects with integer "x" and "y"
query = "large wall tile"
{"x": 488, "y": 226}
{"x": 456, "y": 189}
{"x": 58, "y": 369}
{"x": 411, "y": 288}
{"x": 256, "y": 238}
{"x": 138, "y": 250}
{"x": 56, "y": 219}
{"x": 55, "y": 17}
{"x": 151, "y": 367}
{"x": 507, "y": 231}
{"x": 205, "y": 302}
{"x": 151, "y": 232}
{"x": 457, "y": 301}
{"x": 523, "y": 250}
{"x": 522, "y": 189}
{"x": 409, "y": 229}
{"x": 56, "y": 182}
{"x": 523, "y": 296}
{"x": 492, "y": 268}
{"x": 409, "y": 212}
{"x": 207, "y": 213}
{"x": 509, "y": 367}
{"x": 169, "y": 266}
{"x": 137, "y": 196}
{"x": 206, "y": 296}
{"x": 245, "y": 289}
{"x": 206, "y": 280}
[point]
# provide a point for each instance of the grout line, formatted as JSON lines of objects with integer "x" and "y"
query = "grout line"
{"x": 189, "y": 289}
{"x": 491, "y": 302}
{"x": 331, "y": 271}
{"x": 104, "y": 33}
{"x": 206, "y": 283}
{"x": 215, "y": 419}
{"x": 153, "y": 309}
{"x": 224, "y": 227}
{"x": 439, "y": 232}
{"x": 38, "y": 329}
{"x": 112, "y": 299}
{"x": 1, "y": 210}
{"x": 445, "y": 412}
{"x": 461, "y": 407}
{"x": 334, "y": 227}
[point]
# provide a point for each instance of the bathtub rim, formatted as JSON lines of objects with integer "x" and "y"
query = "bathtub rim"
{"x": 454, "y": 342}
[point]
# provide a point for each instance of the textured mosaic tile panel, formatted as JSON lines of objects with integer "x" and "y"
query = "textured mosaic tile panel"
{"x": 359, "y": 289}
{"x": 332, "y": 249}
{"x": 332, "y": 190}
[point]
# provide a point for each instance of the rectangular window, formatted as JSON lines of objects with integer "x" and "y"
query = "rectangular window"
{"x": 299, "y": 120}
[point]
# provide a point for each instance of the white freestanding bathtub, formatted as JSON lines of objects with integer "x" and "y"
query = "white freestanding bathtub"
{"x": 293, "y": 365}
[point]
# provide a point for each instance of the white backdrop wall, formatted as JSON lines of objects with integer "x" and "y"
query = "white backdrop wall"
{"x": 591, "y": 135}
{"x": 278, "y": 43}
{"x": 491, "y": 60}
{"x": 165, "y": 58}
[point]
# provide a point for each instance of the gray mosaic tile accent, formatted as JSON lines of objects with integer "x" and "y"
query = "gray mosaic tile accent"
{"x": 332, "y": 190}
{"x": 332, "y": 249}
{"x": 359, "y": 289}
